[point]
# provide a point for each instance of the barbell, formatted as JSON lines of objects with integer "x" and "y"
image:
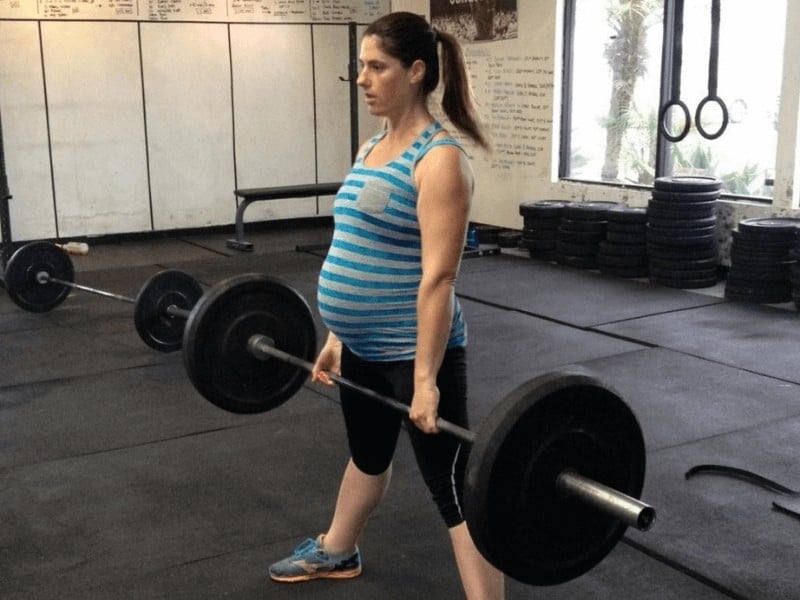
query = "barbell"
{"x": 39, "y": 276}
{"x": 554, "y": 473}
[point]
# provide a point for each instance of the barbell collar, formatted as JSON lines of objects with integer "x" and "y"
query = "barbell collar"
{"x": 262, "y": 347}
{"x": 624, "y": 508}
{"x": 176, "y": 311}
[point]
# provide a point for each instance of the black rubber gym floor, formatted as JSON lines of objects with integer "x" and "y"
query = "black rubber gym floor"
{"x": 117, "y": 480}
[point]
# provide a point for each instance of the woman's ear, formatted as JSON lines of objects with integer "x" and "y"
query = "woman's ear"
{"x": 417, "y": 71}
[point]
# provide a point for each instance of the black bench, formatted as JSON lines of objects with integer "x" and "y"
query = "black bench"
{"x": 250, "y": 195}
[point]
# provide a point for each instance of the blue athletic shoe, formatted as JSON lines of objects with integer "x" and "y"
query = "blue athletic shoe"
{"x": 310, "y": 561}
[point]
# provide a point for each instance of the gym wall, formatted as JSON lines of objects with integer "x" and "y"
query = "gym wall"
{"x": 120, "y": 122}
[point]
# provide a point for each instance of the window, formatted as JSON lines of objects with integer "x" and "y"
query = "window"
{"x": 618, "y": 75}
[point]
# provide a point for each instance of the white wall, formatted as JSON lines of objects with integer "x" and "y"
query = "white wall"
{"x": 124, "y": 123}
{"x": 140, "y": 124}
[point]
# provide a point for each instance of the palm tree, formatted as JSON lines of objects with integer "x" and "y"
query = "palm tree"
{"x": 627, "y": 55}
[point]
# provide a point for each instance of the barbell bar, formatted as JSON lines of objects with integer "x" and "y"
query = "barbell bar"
{"x": 39, "y": 276}
{"x": 631, "y": 511}
{"x": 554, "y": 473}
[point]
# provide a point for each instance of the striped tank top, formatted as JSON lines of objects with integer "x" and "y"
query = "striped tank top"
{"x": 368, "y": 284}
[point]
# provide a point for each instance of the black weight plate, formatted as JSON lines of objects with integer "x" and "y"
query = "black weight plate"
{"x": 541, "y": 223}
{"x": 157, "y": 328}
{"x": 582, "y": 226}
{"x": 517, "y": 517}
{"x": 687, "y": 183}
{"x": 22, "y": 269}
{"x": 685, "y": 284}
{"x": 587, "y": 211}
{"x": 684, "y": 197}
{"x": 682, "y": 223}
{"x": 758, "y": 259}
{"x": 757, "y": 279}
{"x": 656, "y": 237}
{"x": 703, "y": 264}
{"x": 683, "y": 274}
{"x": 626, "y": 227}
{"x": 660, "y": 251}
{"x": 756, "y": 240}
{"x": 215, "y": 340}
{"x": 576, "y": 249}
{"x": 612, "y": 248}
{"x": 540, "y": 234}
{"x": 579, "y": 237}
{"x": 543, "y": 208}
{"x": 633, "y": 239}
{"x": 509, "y": 238}
{"x": 676, "y": 210}
{"x": 681, "y": 231}
{"x": 771, "y": 225}
{"x": 627, "y": 214}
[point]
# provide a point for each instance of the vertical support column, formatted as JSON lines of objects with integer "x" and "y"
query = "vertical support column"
{"x": 5, "y": 196}
{"x": 352, "y": 77}
{"x": 786, "y": 192}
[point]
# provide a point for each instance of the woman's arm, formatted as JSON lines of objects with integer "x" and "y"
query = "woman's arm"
{"x": 444, "y": 182}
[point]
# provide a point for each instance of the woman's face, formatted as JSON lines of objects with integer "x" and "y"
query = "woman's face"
{"x": 389, "y": 86}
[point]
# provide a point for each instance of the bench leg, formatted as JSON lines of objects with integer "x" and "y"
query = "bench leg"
{"x": 239, "y": 243}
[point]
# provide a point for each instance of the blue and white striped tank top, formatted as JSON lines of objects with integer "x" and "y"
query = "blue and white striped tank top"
{"x": 368, "y": 284}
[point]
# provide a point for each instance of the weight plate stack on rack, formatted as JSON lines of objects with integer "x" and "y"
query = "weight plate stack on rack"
{"x": 681, "y": 237}
{"x": 623, "y": 252}
{"x": 761, "y": 254}
{"x": 582, "y": 228}
{"x": 540, "y": 228}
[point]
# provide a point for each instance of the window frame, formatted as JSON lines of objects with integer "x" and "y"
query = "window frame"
{"x": 662, "y": 157}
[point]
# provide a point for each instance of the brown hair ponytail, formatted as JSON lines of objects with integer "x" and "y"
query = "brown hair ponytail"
{"x": 457, "y": 100}
{"x": 409, "y": 37}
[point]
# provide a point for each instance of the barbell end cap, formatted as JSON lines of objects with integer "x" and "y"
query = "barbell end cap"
{"x": 647, "y": 517}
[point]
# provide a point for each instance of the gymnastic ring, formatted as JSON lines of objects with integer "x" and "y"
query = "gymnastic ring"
{"x": 687, "y": 120}
{"x": 698, "y": 123}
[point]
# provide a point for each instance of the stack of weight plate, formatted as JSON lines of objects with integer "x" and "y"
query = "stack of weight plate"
{"x": 761, "y": 253}
{"x": 540, "y": 231}
{"x": 623, "y": 253}
{"x": 681, "y": 237}
{"x": 582, "y": 228}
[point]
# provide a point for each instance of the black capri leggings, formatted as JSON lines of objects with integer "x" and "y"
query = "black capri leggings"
{"x": 373, "y": 428}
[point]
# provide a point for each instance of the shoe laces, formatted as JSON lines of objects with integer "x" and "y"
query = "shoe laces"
{"x": 308, "y": 546}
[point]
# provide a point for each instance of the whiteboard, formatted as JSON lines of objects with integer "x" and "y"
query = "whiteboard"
{"x": 228, "y": 11}
{"x": 187, "y": 91}
{"x": 25, "y": 132}
{"x": 96, "y": 127}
